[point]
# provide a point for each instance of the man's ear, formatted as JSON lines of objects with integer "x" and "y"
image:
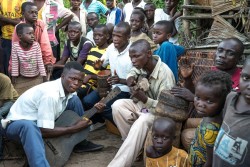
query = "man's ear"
{"x": 149, "y": 53}
{"x": 19, "y": 35}
{"x": 169, "y": 35}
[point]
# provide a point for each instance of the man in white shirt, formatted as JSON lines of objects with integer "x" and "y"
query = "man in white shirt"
{"x": 34, "y": 113}
{"x": 128, "y": 8}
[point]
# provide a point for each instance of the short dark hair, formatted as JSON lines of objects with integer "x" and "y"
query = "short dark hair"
{"x": 90, "y": 13}
{"x": 76, "y": 24}
{"x": 25, "y": 4}
{"x": 247, "y": 61}
{"x": 165, "y": 122}
{"x": 124, "y": 25}
{"x": 239, "y": 43}
{"x": 20, "y": 27}
{"x": 168, "y": 25}
{"x": 141, "y": 43}
{"x": 141, "y": 15}
{"x": 73, "y": 65}
{"x": 104, "y": 27}
{"x": 139, "y": 9}
{"x": 213, "y": 78}
{"x": 150, "y": 4}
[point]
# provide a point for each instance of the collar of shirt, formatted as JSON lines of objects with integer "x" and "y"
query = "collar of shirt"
{"x": 156, "y": 70}
{"x": 124, "y": 51}
{"x": 61, "y": 90}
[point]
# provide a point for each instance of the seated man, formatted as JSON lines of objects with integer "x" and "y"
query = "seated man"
{"x": 34, "y": 113}
{"x": 227, "y": 56}
{"x": 135, "y": 119}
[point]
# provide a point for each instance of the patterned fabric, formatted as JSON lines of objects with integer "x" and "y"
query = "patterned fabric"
{"x": 27, "y": 63}
{"x": 10, "y": 9}
{"x": 96, "y": 7}
{"x": 175, "y": 158}
{"x": 205, "y": 136}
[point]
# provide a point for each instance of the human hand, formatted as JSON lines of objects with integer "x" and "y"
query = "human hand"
{"x": 86, "y": 79}
{"x": 100, "y": 107}
{"x": 183, "y": 93}
{"x": 186, "y": 67}
{"x": 82, "y": 123}
{"x": 49, "y": 68}
{"x": 138, "y": 94}
{"x": 113, "y": 79}
{"x": 131, "y": 81}
{"x": 98, "y": 64}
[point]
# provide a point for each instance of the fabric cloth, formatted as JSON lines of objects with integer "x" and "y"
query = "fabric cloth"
{"x": 27, "y": 63}
{"x": 232, "y": 144}
{"x": 235, "y": 77}
{"x": 161, "y": 15}
{"x": 7, "y": 91}
{"x": 75, "y": 51}
{"x": 119, "y": 62}
{"x": 128, "y": 9}
{"x": 115, "y": 16}
{"x": 144, "y": 36}
{"x": 10, "y": 9}
{"x": 41, "y": 36}
{"x": 42, "y": 103}
{"x": 95, "y": 6}
{"x": 176, "y": 157}
{"x": 82, "y": 20}
{"x": 169, "y": 54}
{"x": 90, "y": 36}
{"x": 131, "y": 122}
{"x": 27, "y": 132}
{"x": 50, "y": 13}
{"x": 205, "y": 136}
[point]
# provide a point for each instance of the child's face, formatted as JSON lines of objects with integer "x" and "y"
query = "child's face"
{"x": 27, "y": 35}
{"x": 139, "y": 56}
{"x": 110, "y": 3}
{"x": 207, "y": 100}
{"x": 135, "y": 22}
{"x": 100, "y": 37}
{"x": 75, "y": 4}
{"x": 162, "y": 139}
{"x": 170, "y": 4}
{"x": 74, "y": 33}
{"x": 92, "y": 20}
{"x": 226, "y": 57}
{"x": 150, "y": 11}
{"x": 120, "y": 38}
{"x": 245, "y": 83}
{"x": 159, "y": 35}
{"x": 30, "y": 14}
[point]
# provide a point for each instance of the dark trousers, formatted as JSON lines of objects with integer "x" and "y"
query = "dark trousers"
{"x": 6, "y": 45}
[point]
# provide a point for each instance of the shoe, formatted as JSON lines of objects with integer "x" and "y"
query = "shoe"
{"x": 87, "y": 146}
{"x": 96, "y": 126}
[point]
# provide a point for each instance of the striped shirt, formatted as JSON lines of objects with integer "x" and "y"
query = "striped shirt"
{"x": 28, "y": 63}
{"x": 10, "y": 9}
{"x": 95, "y": 6}
{"x": 93, "y": 55}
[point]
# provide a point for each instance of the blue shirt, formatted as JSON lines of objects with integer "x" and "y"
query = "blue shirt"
{"x": 95, "y": 6}
{"x": 169, "y": 54}
{"x": 115, "y": 16}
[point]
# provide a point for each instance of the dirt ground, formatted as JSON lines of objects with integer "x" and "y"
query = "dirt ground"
{"x": 102, "y": 158}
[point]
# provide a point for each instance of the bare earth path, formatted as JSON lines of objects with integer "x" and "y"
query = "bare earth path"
{"x": 95, "y": 159}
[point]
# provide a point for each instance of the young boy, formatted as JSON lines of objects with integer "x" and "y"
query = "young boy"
{"x": 76, "y": 48}
{"x": 101, "y": 36}
{"x": 29, "y": 13}
{"x": 80, "y": 15}
{"x": 27, "y": 63}
{"x": 169, "y": 13}
{"x": 232, "y": 143}
{"x": 163, "y": 153}
{"x": 168, "y": 52}
{"x": 115, "y": 15}
{"x": 92, "y": 21}
{"x": 132, "y": 120}
{"x": 149, "y": 9}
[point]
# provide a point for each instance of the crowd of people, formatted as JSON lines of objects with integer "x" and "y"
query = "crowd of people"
{"x": 38, "y": 83}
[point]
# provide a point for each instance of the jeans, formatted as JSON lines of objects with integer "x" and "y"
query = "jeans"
{"x": 27, "y": 132}
{"x": 91, "y": 99}
{"x": 6, "y": 45}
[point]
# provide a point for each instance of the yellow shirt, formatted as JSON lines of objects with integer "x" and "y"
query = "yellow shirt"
{"x": 10, "y": 9}
{"x": 175, "y": 158}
